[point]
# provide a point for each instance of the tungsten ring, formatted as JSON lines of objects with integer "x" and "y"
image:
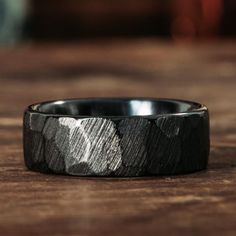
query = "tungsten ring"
{"x": 116, "y": 137}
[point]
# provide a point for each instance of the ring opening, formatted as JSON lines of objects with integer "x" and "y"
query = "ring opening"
{"x": 115, "y": 107}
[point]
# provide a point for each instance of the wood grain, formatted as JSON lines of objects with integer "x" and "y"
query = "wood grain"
{"x": 202, "y": 203}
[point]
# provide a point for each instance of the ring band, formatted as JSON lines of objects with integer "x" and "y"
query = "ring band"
{"x": 116, "y": 137}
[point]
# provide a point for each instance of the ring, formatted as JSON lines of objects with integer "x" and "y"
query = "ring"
{"x": 116, "y": 137}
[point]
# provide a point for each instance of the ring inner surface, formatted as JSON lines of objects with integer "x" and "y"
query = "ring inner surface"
{"x": 115, "y": 107}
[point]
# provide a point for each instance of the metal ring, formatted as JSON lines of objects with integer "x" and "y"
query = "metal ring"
{"x": 116, "y": 137}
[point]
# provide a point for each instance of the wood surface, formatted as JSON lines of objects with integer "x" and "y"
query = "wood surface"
{"x": 202, "y": 203}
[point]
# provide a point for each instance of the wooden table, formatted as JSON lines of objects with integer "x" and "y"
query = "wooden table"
{"x": 202, "y": 203}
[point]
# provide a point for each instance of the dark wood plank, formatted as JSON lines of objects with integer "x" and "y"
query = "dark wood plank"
{"x": 202, "y": 203}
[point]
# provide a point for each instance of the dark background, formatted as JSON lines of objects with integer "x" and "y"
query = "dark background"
{"x": 82, "y": 19}
{"x": 188, "y": 18}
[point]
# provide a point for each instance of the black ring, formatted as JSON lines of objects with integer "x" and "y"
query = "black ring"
{"x": 116, "y": 137}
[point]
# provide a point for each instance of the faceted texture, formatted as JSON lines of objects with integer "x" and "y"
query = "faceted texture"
{"x": 132, "y": 146}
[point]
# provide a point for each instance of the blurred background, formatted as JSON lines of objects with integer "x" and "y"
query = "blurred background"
{"x": 172, "y": 48}
{"x": 64, "y": 20}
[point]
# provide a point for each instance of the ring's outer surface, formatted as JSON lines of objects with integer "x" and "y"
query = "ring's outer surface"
{"x": 116, "y": 137}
